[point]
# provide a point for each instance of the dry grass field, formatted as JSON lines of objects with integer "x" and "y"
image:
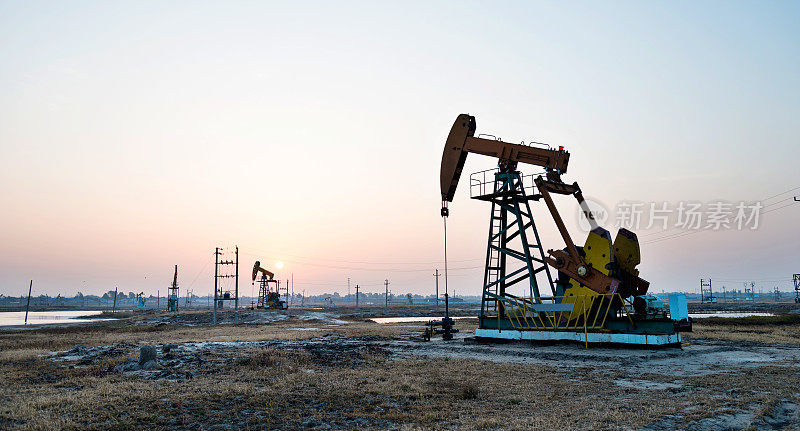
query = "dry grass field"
{"x": 316, "y": 370}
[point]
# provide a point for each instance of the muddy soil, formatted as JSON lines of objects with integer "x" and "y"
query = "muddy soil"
{"x": 777, "y": 307}
{"x": 715, "y": 384}
{"x": 245, "y": 316}
{"x": 701, "y": 357}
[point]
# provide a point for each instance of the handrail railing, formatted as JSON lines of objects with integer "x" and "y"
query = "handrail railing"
{"x": 481, "y": 183}
{"x": 584, "y": 312}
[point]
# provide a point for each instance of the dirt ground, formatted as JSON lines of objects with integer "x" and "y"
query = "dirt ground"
{"x": 336, "y": 369}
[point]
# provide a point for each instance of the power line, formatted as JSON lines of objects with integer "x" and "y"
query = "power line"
{"x": 431, "y": 263}
{"x": 757, "y": 280}
{"x": 382, "y": 262}
{"x": 682, "y": 234}
{"x": 362, "y": 268}
{"x": 779, "y": 208}
{"x": 782, "y": 193}
{"x": 199, "y": 272}
{"x": 674, "y": 227}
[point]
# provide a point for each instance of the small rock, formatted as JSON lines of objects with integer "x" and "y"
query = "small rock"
{"x": 78, "y": 348}
{"x": 147, "y": 353}
{"x": 150, "y": 365}
{"x": 167, "y": 348}
{"x": 131, "y": 365}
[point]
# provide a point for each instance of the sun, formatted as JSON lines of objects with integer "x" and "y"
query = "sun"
{"x": 279, "y": 264}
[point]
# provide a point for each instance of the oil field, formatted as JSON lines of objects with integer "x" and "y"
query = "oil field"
{"x": 226, "y": 216}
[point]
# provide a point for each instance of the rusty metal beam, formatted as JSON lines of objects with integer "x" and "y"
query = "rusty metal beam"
{"x": 547, "y": 158}
{"x": 570, "y": 262}
{"x": 461, "y": 141}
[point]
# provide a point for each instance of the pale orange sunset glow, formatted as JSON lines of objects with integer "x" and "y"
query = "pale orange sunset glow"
{"x": 132, "y": 152}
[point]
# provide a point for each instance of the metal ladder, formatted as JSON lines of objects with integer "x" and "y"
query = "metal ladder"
{"x": 508, "y": 193}
{"x": 493, "y": 258}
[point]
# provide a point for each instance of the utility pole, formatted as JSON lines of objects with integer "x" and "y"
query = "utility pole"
{"x": 236, "y": 301}
{"x": 219, "y": 297}
{"x": 292, "y": 298}
{"x": 356, "y": 296}
{"x": 216, "y": 274}
{"x": 386, "y": 283}
{"x": 30, "y": 288}
{"x": 436, "y": 274}
{"x": 114, "y": 309}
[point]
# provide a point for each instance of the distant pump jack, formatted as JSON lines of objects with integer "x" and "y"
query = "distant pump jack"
{"x": 268, "y": 289}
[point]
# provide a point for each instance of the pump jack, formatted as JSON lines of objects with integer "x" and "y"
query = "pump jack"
{"x": 267, "y": 298}
{"x": 596, "y": 284}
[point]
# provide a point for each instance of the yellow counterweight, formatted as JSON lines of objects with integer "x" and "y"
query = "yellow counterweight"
{"x": 599, "y": 254}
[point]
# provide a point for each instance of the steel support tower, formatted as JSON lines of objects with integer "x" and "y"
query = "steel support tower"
{"x": 514, "y": 253}
{"x": 264, "y": 290}
{"x": 796, "y": 280}
{"x": 221, "y": 295}
{"x": 706, "y": 294}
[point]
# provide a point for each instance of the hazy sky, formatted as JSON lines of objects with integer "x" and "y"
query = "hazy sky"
{"x": 138, "y": 135}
